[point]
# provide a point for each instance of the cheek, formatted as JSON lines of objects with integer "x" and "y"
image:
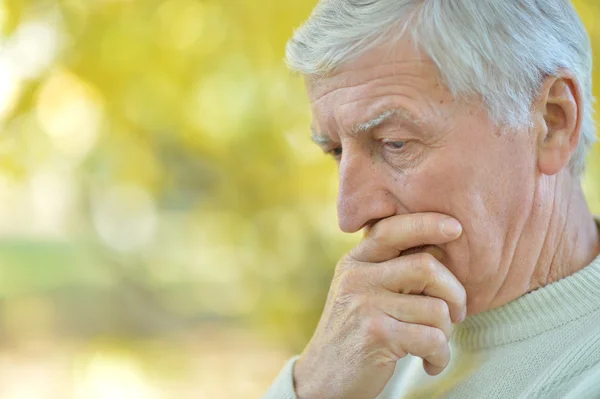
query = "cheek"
{"x": 483, "y": 186}
{"x": 478, "y": 174}
{"x": 440, "y": 185}
{"x": 450, "y": 190}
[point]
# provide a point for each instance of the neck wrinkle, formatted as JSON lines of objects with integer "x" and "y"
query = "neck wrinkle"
{"x": 534, "y": 313}
{"x": 549, "y": 269}
{"x": 578, "y": 242}
{"x": 561, "y": 240}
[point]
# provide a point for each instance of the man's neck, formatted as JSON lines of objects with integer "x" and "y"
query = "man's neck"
{"x": 558, "y": 239}
{"x": 572, "y": 241}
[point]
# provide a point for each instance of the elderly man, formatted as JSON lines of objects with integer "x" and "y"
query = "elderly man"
{"x": 460, "y": 128}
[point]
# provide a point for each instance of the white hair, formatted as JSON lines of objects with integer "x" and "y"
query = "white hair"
{"x": 500, "y": 50}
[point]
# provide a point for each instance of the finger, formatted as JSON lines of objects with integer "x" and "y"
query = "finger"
{"x": 420, "y": 274}
{"x": 416, "y": 309}
{"x": 428, "y": 343}
{"x": 387, "y": 238}
{"x": 431, "y": 369}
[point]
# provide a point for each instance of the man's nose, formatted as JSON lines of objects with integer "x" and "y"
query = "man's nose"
{"x": 362, "y": 198}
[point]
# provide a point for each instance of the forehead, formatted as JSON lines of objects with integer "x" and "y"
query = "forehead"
{"x": 386, "y": 64}
{"x": 398, "y": 76}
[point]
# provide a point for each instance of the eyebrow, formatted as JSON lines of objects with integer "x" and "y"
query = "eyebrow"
{"x": 385, "y": 116}
{"x": 322, "y": 139}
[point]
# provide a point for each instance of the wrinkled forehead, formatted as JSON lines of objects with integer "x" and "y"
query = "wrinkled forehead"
{"x": 390, "y": 61}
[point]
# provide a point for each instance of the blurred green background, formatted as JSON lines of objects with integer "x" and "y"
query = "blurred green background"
{"x": 167, "y": 230}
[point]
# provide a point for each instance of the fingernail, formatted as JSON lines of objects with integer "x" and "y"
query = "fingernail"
{"x": 451, "y": 227}
{"x": 463, "y": 316}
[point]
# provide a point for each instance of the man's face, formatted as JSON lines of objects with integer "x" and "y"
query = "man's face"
{"x": 427, "y": 153}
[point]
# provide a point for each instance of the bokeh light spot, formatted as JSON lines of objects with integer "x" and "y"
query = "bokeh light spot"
{"x": 181, "y": 23}
{"x": 34, "y": 47}
{"x": 125, "y": 217}
{"x": 10, "y": 86}
{"x": 221, "y": 102}
{"x": 109, "y": 376}
{"x": 70, "y": 112}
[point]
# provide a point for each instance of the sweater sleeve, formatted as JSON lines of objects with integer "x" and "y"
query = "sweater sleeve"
{"x": 283, "y": 387}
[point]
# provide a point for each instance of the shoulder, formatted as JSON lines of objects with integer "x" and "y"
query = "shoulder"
{"x": 586, "y": 385}
{"x": 577, "y": 370}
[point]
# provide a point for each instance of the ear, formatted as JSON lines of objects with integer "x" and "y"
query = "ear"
{"x": 558, "y": 116}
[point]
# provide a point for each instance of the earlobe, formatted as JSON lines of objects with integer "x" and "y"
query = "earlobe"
{"x": 560, "y": 105}
{"x": 553, "y": 156}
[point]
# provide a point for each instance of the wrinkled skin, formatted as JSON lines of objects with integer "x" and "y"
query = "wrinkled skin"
{"x": 521, "y": 220}
{"x": 457, "y": 163}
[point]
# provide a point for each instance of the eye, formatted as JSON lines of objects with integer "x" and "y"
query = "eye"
{"x": 336, "y": 152}
{"x": 394, "y": 145}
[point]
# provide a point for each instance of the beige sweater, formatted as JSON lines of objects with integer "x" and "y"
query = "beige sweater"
{"x": 545, "y": 344}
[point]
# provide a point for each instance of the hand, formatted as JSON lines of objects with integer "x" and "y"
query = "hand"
{"x": 382, "y": 305}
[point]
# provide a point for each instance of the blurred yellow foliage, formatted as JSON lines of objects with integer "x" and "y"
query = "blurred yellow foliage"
{"x": 158, "y": 184}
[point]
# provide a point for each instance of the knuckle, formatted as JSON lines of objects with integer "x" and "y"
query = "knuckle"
{"x": 459, "y": 298}
{"x": 427, "y": 264}
{"x": 399, "y": 351}
{"x": 375, "y": 330}
{"x": 436, "y": 338}
{"x": 355, "y": 304}
{"x": 443, "y": 355}
{"x": 349, "y": 296}
{"x": 351, "y": 258}
{"x": 348, "y": 281}
{"x": 438, "y": 308}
